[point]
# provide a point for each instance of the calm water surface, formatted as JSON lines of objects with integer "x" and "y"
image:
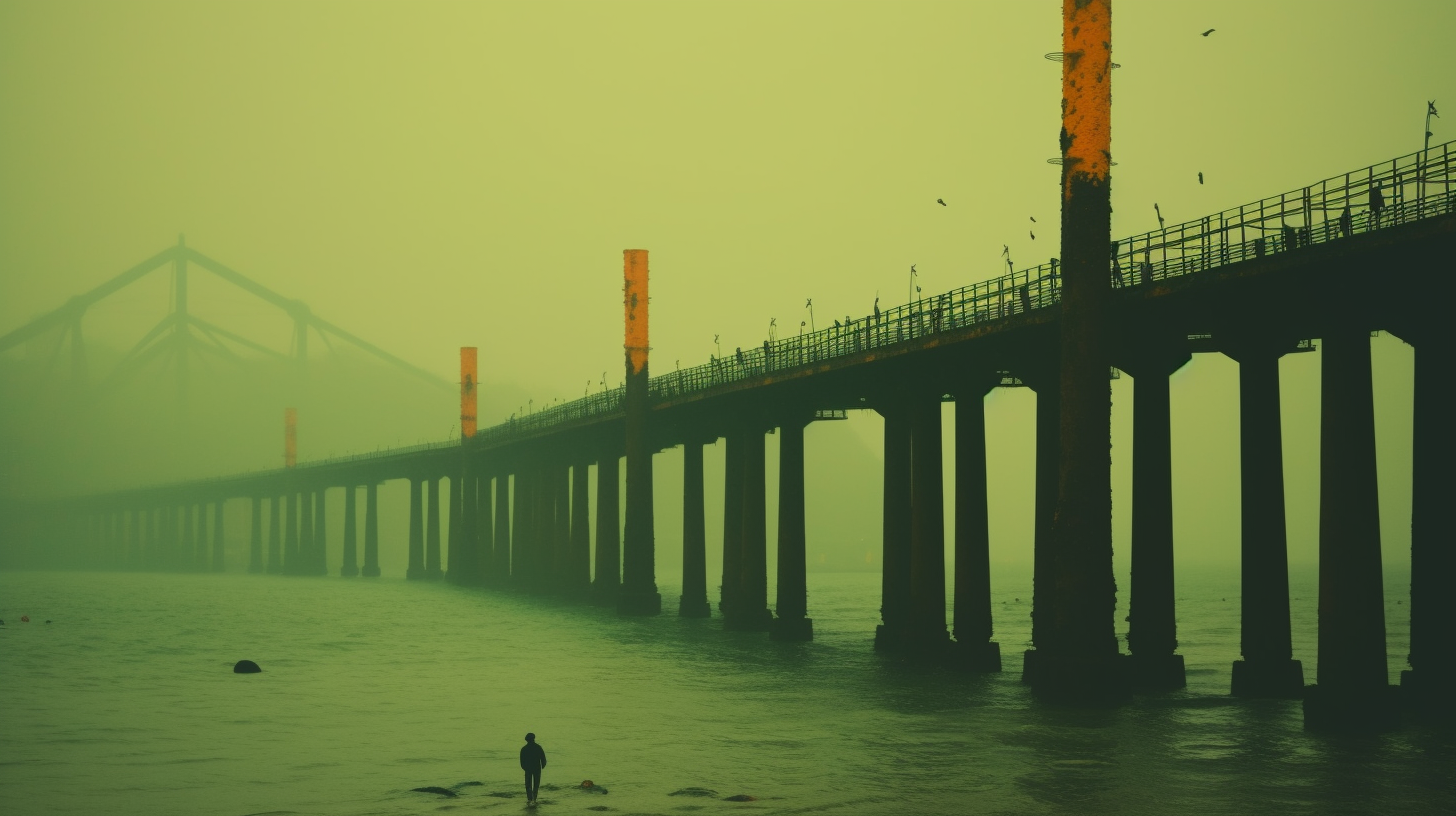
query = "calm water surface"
{"x": 127, "y": 704}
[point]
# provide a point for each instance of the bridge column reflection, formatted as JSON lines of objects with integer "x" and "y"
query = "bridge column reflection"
{"x": 1268, "y": 667}
{"x": 371, "y": 531}
{"x": 971, "y": 622}
{"x": 1352, "y": 685}
{"x": 350, "y": 567}
{"x": 792, "y": 621}
{"x": 1152, "y": 637}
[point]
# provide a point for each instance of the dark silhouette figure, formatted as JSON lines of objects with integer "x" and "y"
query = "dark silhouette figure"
{"x": 1377, "y": 203}
{"x": 877, "y": 310}
{"x": 739, "y": 353}
{"x": 1147, "y": 268}
{"x": 1200, "y": 177}
{"x": 1345, "y": 221}
{"x": 1206, "y": 33}
{"x": 1290, "y": 239}
{"x": 533, "y": 759}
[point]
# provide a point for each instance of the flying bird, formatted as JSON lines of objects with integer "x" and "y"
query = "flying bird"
{"x": 1206, "y": 33}
{"x": 940, "y": 201}
{"x": 1033, "y": 236}
{"x": 1200, "y": 178}
{"x": 1033, "y": 219}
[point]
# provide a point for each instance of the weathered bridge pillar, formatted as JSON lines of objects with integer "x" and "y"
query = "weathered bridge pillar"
{"x": 320, "y": 560}
{"x": 971, "y": 625}
{"x": 523, "y": 563}
{"x": 290, "y": 533}
{"x": 501, "y": 565}
{"x": 543, "y": 528}
{"x": 927, "y": 635}
{"x": 1077, "y": 651}
{"x": 275, "y": 537}
{"x": 432, "y": 531}
{"x": 694, "y": 600}
{"x": 750, "y": 612}
{"x": 791, "y": 621}
{"x": 463, "y": 557}
{"x": 306, "y": 531}
{"x": 638, "y": 595}
{"x": 1152, "y": 637}
{"x": 608, "y": 578}
{"x": 1043, "y": 377}
{"x": 350, "y": 567}
{"x": 255, "y": 537}
{"x": 1432, "y": 675}
{"x": 485, "y": 541}
{"x": 1268, "y": 667}
{"x": 217, "y": 542}
{"x": 371, "y": 530}
{"x": 416, "y": 567}
{"x": 1352, "y": 688}
{"x": 895, "y": 582}
{"x": 730, "y": 593}
{"x": 135, "y": 559}
{"x": 561, "y": 555}
{"x": 578, "y": 575}
{"x": 188, "y": 559}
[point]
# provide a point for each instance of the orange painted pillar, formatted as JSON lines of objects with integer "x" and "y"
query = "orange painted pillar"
{"x": 467, "y": 391}
{"x": 638, "y": 595}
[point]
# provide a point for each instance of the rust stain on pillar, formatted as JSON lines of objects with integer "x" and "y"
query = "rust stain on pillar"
{"x": 1079, "y": 645}
{"x": 290, "y": 437}
{"x": 467, "y": 391}
{"x": 638, "y": 595}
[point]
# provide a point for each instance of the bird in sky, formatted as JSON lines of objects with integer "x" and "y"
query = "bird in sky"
{"x": 1033, "y": 218}
{"x": 1033, "y": 235}
{"x": 940, "y": 201}
{"x": 1206, "y": 33}
{"x": 1200, "y": 177}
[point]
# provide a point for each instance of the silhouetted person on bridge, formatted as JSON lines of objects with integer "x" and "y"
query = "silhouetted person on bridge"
{"x": 1345, "y": 222}
{"x": 1147, "y": 268}
{"x": 1377, "y": 203}
{"x": 533, "y": 759}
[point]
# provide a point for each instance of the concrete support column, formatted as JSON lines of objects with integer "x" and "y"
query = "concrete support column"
{"x": 1043, "y": 379}
{"x": 1432, "y": 674}
{"x": 694, "y": 600}
{"x": 608, "y": 576}
{"x": 188, "y": 558}
{"x": 1352, "y": 687}
{"x": 1267, "y": 668}
{"x": 306, "y": 534}
{"x": 752, "y": 613}
{"x": 416, "y": 568}
{"x": 792, "y": 621}
{"x": 561, "y": 535}
{"x": 523, "y": 506}
{"x": 134, "y": 559}
{"x": 350, "y": 568}
{"x": 432, "y": 531}
{"x": 371, "y": 531}
{"x": 543, "y": 527}
{"x": 638, "y": 595}
{"x": 217, "y": 540}
{"x": 729, "y": 601}
{"x": 501, "y": 568}
{"x": 891, "y": 634}
{"x": 927, "y": 635}
{"x": 1152, "y": 637}
{"x": 275, "y": 536}
{"x": 255, "y": 537}
{"x": 971, "y": 624}
{"x": 578, "y": 577}
{"x": 452, "y": 542}
{"x": 484, "y": 529}
{"x": 463, "y": 556}
{"x": 320, "y": 560}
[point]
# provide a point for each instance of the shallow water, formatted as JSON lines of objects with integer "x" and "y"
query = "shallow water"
{"x": 127, "y": 704}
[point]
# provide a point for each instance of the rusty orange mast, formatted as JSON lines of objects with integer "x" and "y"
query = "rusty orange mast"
{"x": 638, "y": 594}
{"x": 467, "y": 391}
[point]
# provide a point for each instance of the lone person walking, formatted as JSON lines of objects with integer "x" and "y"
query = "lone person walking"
{"x": 533, "y": 759}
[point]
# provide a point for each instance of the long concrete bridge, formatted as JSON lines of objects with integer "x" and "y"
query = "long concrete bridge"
{"x": 1363, "y": 251}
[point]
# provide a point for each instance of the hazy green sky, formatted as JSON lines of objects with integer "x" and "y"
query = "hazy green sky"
{"x": 431, "y": 175}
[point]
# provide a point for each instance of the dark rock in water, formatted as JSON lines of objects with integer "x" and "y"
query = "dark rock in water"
{"x": 693, "y": 792}
{"x": 458, "y": 785}
{"x": 599, "y": 807}
{"x": 245, "y": 667}
{"x": 740, "y": 797}
{"x": 434, "y": 789}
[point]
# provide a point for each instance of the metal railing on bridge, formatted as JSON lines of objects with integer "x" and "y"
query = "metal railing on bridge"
{"x": 1402, "y": 190}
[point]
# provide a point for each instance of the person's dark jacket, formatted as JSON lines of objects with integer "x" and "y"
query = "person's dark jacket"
{"x": 533, "y": 757}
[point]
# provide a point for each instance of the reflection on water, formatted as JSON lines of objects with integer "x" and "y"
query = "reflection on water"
{"x": 127, "y": 704}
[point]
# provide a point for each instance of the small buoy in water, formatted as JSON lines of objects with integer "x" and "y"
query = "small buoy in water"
{"x": 25, "y": 619}
{"x": 740, "y": 797}
{"x": 245, "y": 667}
